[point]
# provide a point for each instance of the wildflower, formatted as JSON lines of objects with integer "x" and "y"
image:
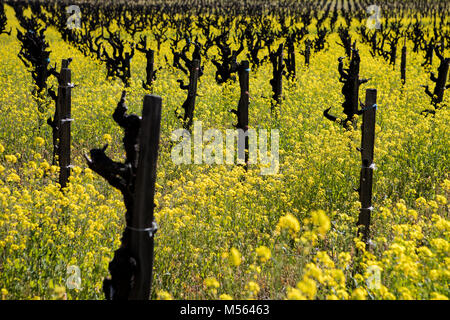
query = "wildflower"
{"x": 440, "y": 244}
{"x": 425, "y": 252}
{"x": 263, "y": 253}
{"x": 421, "y": 202}
{"x": 2, "y": 148}
{"x": 11, "y": 158}
{"x": 77, "y": 170}
{"x": 321, "y": 221}
{"x": 45, "y": 165}
{"x": 358, "y": 278}
{"x": 225, "y": 296}
{"x": 107, "y": 138}
{"x": 289, "y": 222}
{"x": 445, "y": 185}
{"x": 344, "y": 259}
{"x": 325, "y": 259}
{"x": 13, "y": 178}
{"x": 359, "y": 294}
{"x": 295, "y": 294}
{"x": 434, "y": 206}
{"x": 211, "y": 283}
{"x": 59, "y": 293}
{"x": 255, "y": 268}
{"x": 412, "y": 213}
{"x": 163, "y": 295}
{"x": 360, "y": 245}
{"x": 308, "y": 287}
{"x": 338, "y": 276}
{"x": 405, "y": 294}
{"x": 401, "y": 207}
{"x": 441, "y": 200}
{"x": 235, "y": 257}
{"x": 252, "y": 287}
{"x": 385, "y": 212}
{"x": 342, "y": 294}
{"x": 441, "y": 224}
{"x": 39, "y": 141}
{"x": 438, "y": 296}
{"x": 385, "y": 294}
{"x": 313, "y": 271}
{"x": 54, "y": 169}
{"x": 434, "y": 274}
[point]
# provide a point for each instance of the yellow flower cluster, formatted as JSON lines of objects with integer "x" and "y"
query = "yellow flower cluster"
{"x": 235, "y": 257}
{"x": 263, "y": 253}
{"x": 225, "y": 232}
{"x": 290, "y": 223}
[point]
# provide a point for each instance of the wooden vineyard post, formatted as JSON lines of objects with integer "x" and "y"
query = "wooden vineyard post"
{"x": 192, "y": 93}
{"x": 132, "y": 265}
{"x": 277, "y": 80}
{"x": 63, "y": 121}
{"x": 307, "y": 52}
{"x": 290, "y": 61}
{"x": 242, "y": 111}
{"x": 367, "y": 147}
{"x": 65, "y": 63}
{"x": 142, "y": 225}
{"x": 150, "y": 67}
{"x": 280, "y": 67}
{"x": 403, "y": 65}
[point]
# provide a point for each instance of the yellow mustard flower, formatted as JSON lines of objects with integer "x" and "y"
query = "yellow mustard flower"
{"x": 235, "y": 257}
{"x": 359, "y": 294}
{"x": 263, "y": 253}
{"x": 289, "y": 222}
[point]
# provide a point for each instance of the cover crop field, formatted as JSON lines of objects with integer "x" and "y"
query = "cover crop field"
{"x": 226, "y": 230}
